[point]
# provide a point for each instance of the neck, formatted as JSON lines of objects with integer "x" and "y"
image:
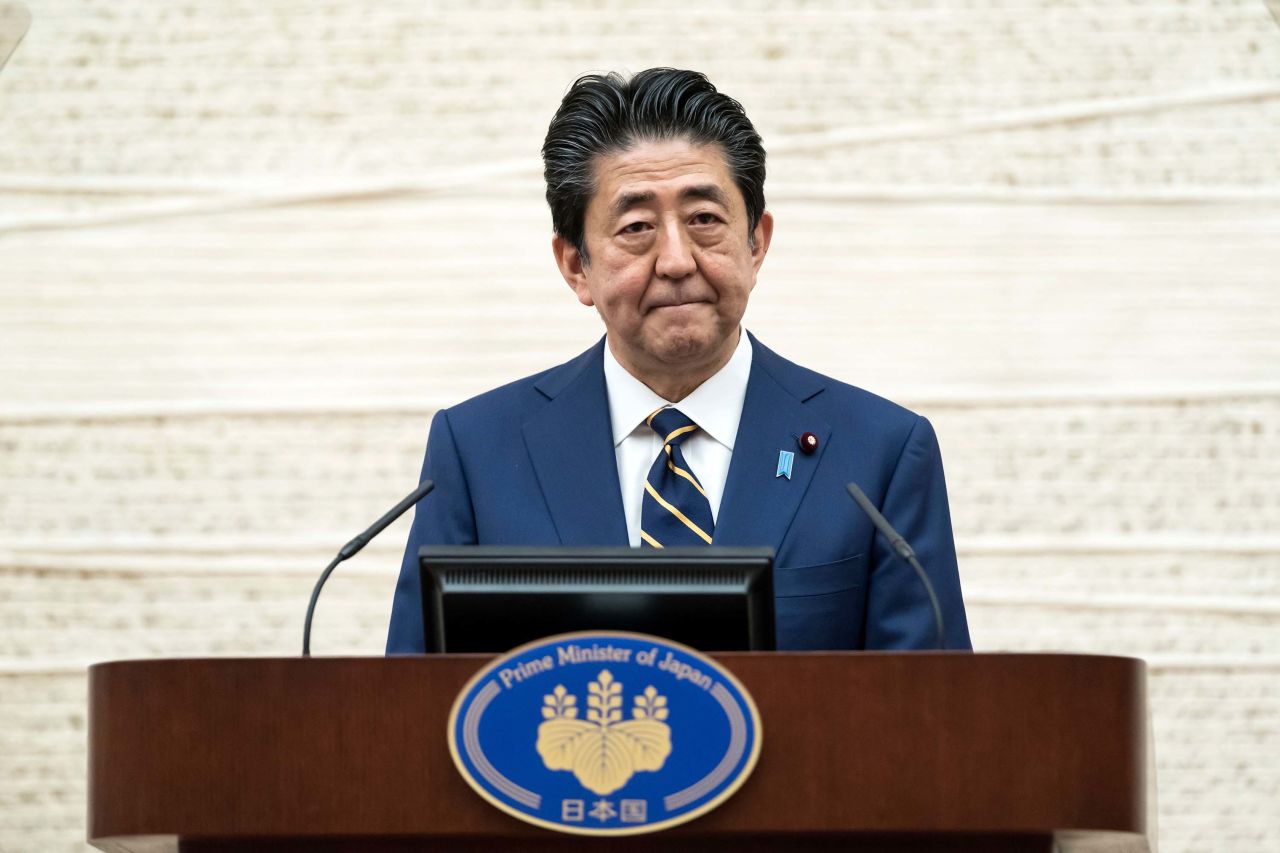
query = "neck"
{"x": 673, "y": 384}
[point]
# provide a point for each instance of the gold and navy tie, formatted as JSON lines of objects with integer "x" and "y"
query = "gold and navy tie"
{"x": 675, "y": 510}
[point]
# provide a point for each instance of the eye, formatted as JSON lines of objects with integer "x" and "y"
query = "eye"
{"x": 637, "y": 227}
{"x": 706, "y": 218}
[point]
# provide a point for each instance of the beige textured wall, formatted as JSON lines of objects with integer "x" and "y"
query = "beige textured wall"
{"x": 247, "y": 248}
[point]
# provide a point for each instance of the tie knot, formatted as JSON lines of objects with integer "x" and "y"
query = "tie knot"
{"x": 672, "y": 424}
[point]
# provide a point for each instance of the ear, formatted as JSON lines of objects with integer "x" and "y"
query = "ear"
{"x": 763, "y": 234}
{"x": 569, "y": 260}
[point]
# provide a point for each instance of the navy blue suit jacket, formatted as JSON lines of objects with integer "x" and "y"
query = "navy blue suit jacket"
{"x": 532, "y": 463}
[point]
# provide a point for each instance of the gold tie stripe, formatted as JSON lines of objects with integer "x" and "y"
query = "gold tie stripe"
{"x": 675, "y": 509}
{"x": 680, "y": 472}
{"x": 648, "y": 487}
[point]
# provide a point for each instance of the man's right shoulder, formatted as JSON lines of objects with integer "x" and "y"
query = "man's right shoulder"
{"x": 523, "y": 396}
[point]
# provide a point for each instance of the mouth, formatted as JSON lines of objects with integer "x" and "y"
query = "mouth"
{"x": 680, "y": 303}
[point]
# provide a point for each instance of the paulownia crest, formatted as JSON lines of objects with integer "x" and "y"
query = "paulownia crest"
{"x": 604, "y": 750}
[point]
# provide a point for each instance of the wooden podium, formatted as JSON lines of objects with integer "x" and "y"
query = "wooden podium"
{"x": 862, "y": 752}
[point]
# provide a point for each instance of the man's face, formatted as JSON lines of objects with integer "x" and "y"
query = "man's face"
{"x": 671, "y": 266}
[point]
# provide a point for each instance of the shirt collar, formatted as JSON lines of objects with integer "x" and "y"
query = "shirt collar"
{"x": 715, "y": 405}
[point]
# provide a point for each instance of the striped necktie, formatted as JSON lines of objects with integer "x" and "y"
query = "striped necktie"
{"x": 675, "y": 509}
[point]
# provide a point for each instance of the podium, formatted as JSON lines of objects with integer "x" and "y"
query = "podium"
{"x": 862, "y": 751}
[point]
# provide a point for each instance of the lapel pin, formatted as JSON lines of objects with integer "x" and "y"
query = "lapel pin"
{"x": 785, "y": 460}
{"x": 808, "y": 443}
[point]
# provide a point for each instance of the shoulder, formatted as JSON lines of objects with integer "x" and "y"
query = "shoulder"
{"x": 870, "y": 435}
{"x": 526, "y": 395}
{"x": 837, "y": 401}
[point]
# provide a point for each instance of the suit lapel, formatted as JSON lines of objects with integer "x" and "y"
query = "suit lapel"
{"x": 570, "y": 441}
{"x": 758, "y": 506}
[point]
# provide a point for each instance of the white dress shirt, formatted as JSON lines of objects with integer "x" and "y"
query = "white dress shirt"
{"x": 715, "y": 406}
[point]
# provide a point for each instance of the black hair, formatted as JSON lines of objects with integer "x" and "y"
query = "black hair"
{"x": 607, "y": 113}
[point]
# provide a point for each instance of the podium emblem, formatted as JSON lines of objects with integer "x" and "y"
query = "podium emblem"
{"x": 604, "y": 750}
{"x": 604, "y": 733}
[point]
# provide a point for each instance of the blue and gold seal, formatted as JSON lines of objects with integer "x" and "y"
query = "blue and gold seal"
{"x": 604, "y": 733}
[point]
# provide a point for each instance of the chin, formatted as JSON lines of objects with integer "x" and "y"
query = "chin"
{"x": 688, "y": 347}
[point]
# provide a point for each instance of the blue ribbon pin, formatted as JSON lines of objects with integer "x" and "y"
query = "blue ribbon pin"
{"x": 785, "y": 460}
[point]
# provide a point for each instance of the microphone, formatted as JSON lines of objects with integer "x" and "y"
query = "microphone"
{"x": 353, "y": 547}
{"x": 15, "y": 20}
{"x": 903, "y": 550}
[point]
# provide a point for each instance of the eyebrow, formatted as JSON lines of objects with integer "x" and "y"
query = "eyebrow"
{"x": 709, "y": 192}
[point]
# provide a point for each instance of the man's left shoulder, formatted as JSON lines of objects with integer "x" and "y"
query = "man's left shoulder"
{"x": 840, "y": 403}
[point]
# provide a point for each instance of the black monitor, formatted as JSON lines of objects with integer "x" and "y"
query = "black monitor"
{"x": 488, "y": 598}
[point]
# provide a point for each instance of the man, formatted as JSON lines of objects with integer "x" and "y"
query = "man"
{"x": 680, "y": 428}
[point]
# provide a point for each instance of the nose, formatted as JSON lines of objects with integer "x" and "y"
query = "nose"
{"x": 675, "y": 253}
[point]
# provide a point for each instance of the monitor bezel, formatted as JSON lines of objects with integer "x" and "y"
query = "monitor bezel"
{"x": 754, "y": 563}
